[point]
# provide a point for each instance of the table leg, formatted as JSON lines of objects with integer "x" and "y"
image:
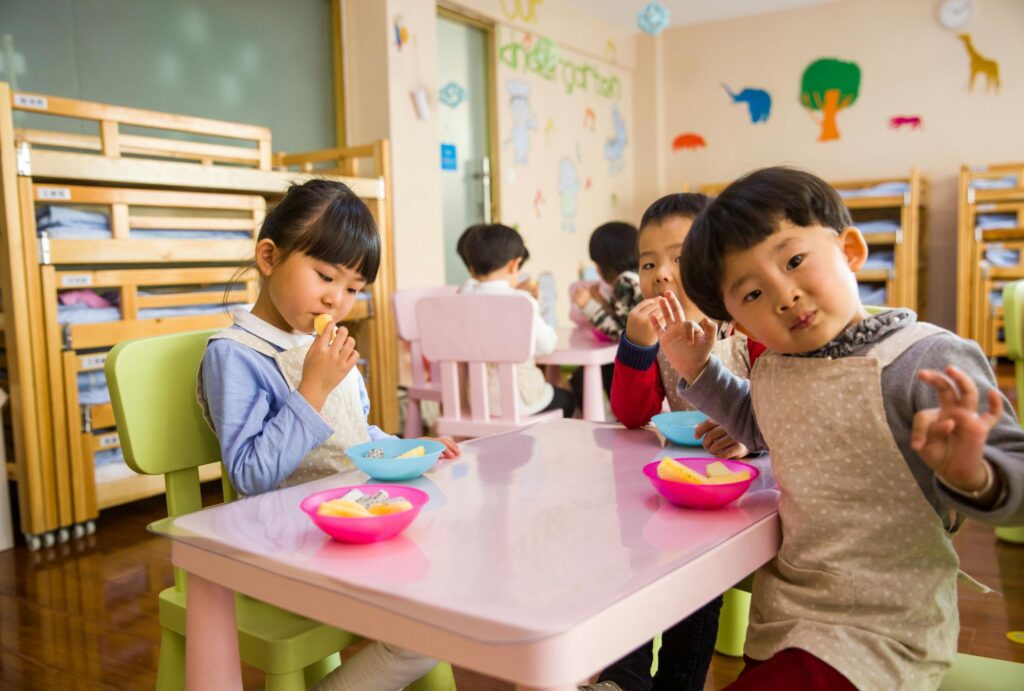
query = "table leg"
{"x": 593, "y": 394}
{"x": 211, "y": 638}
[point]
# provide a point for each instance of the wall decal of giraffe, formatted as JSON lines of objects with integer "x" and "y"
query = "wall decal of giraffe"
{"x": 981, "y": 65}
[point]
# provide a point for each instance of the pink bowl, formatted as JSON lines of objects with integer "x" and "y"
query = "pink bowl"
{"x": 701, "y": 496}
{"x": 365, "y": 530}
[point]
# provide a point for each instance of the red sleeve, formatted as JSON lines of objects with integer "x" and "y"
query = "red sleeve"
{"x": 636, "y": 394}
{"x": 754, "y": 350}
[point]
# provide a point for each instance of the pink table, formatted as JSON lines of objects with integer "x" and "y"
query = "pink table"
{"x": 581, "y": 347}
{"x": 543, "y": 555}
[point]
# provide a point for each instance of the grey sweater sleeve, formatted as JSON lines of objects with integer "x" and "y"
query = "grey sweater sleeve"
{"x": 904, "y": 394}
{"x": 725, "y": 398}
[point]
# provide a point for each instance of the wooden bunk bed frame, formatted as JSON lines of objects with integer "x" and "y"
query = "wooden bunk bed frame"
{"x": 905, "y": 281}
{"x": 976, "y": 316}
{"x": 146, "y": 182}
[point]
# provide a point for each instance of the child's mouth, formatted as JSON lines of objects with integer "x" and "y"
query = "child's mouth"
{"x": 803, "y": 321}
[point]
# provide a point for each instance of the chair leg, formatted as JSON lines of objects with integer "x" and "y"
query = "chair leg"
{"x": 318, "y": 670}
{"x": 438, "y": 679}
{"x": 413, "y": 419}
{"x": 732, "y": 623}
{"x": 170, "y": 670}
{"x": 289, "y": 681}
{"x": 1014, "y": 535}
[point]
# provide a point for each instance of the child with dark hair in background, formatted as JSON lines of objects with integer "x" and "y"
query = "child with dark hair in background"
{"x": 494, "y": 254}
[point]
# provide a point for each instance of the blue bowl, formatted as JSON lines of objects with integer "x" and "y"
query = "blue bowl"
{"x": 391, "y": 469}
{"x": 680, "y": 426}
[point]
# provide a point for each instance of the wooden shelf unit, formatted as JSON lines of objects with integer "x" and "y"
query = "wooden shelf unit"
{"x": 979, "y": 312}
{"x": 141, "y": 183}
{"x": 905, "y": 280}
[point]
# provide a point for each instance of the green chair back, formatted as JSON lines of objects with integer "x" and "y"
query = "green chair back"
{"x": 1013, "y": 324}
{"x": 161, "y": 426}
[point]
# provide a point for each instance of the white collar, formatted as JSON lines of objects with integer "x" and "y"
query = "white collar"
{"x": 268, "y": 332}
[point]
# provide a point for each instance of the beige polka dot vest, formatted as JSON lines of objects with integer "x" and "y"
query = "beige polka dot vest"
{"x": 342, "y": 410}
{"x": 865, "y": 578}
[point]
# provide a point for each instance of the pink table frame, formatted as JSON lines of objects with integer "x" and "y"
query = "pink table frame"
{"x": 556, "y": 653}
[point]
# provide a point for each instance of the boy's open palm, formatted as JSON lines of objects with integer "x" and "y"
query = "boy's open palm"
{"x": 327, "y": 363}
{"x": 686, "y": 344}
{"x": 951, "y": 438}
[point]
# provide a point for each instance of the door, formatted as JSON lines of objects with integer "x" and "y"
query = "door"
{"x": 465, "y": 97}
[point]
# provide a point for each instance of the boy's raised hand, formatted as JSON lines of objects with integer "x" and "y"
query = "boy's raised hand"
{"x": 686, "y": 344}
{"x": 327, "y": 363}
{"x": 639, "y": 329}
{"x": 951, "y": 438}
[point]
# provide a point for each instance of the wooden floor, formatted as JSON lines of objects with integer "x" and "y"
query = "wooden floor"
{"x": 83, "y": 615}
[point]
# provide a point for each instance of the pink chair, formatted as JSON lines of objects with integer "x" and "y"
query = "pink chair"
{"x": 404, "y": 302}
{"x": 472, "y": 332}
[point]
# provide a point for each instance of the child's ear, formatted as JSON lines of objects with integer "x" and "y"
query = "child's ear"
{"x": 514, "y": 265}
{"x": 266, "y": 256}
{"x": 742, "y": 329}
{"x": 855, "y": 248}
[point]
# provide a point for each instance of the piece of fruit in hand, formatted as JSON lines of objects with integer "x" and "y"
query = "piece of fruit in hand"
{"x": 321, "y": 322}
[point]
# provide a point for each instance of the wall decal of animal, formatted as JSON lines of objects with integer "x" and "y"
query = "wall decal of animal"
{"x": 981, "y": 65}
{"x": 688, "y": 140}
{"x": 759, "y": 102}
{"x": 912, "y": 122}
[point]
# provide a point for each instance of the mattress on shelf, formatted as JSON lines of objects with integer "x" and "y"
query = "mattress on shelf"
{"x": 882, "y": 189}
{"x": 61, "y": 222}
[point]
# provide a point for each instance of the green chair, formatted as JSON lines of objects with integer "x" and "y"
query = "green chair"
{"x": 733, "y": 619}
{"x": 153, "y": 391}
{"x": 971, "y": 673}
{"x": 1013, "y": 330}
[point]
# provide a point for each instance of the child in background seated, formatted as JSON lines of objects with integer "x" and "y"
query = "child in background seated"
{"x": 613, "y": 250}
{"x": 643, "y": 376}
{"x": 878, "y": 442}
{"x": 494, "y": 254}
{"x": 286, "y": 405}
{"x": 642, "y": 380}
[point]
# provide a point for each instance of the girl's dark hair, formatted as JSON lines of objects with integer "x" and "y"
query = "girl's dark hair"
{"x": 685, "y": 204}
{"x": 490, "y": 246}
{"x": 746, "y": 213}
{"x": 327, "y": 221}
{"x": 613, "y": 248}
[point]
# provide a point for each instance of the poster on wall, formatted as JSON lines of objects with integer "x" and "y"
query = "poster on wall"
{"x": 614, "y": 145}
{"x": 828, "y": 86}
{"x": 522, "y": 118}
{"x": 980, "y": 65}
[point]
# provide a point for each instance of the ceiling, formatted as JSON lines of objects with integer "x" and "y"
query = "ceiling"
{"x": 684, "y": 12}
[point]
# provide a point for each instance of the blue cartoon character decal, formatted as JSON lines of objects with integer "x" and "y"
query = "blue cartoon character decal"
{"x": 568, "y": 189}
{"x": 758, "y": 101}
{"x": 522, "y": 119}
{"x": 614, "y": 145}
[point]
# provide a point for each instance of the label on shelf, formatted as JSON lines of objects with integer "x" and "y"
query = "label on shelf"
{"x": 75, "y": 280}
{"x": 54, "y": 193}
{"x": 31, "y": 101}
{"x": 94, "y": 361}
{"x": 985, "y": 207}
{"x": 109, "y": 439}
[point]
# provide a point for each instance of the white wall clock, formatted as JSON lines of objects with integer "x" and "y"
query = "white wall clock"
{"x": 956, "y": 14}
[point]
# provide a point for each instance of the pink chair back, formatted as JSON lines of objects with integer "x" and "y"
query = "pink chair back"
{"x": 422, "y": 389}
{"x": 471, "y": 332}
{"x": 404, "y": 302}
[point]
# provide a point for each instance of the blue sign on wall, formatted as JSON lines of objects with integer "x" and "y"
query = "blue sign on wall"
{"x": 448, "y": 157}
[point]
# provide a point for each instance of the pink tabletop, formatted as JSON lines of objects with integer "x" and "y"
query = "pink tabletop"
{"x": 525, "y": 536}
{"x": 579, "y": 346}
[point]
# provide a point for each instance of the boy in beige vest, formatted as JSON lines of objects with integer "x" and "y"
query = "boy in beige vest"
{"x": 884, "y": 432}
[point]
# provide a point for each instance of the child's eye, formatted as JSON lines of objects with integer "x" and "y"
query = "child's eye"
{"x": 795, "y": 261}
{"x": 647, "y": 266}
{"x": 324, "y": 277}
{"x": 353, "y": 291}
{"x": 751, "y": 296}
{"x": 676, "y": 260}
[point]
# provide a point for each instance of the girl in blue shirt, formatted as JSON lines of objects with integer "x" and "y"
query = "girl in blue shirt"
{"x": 285, "y": 404}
